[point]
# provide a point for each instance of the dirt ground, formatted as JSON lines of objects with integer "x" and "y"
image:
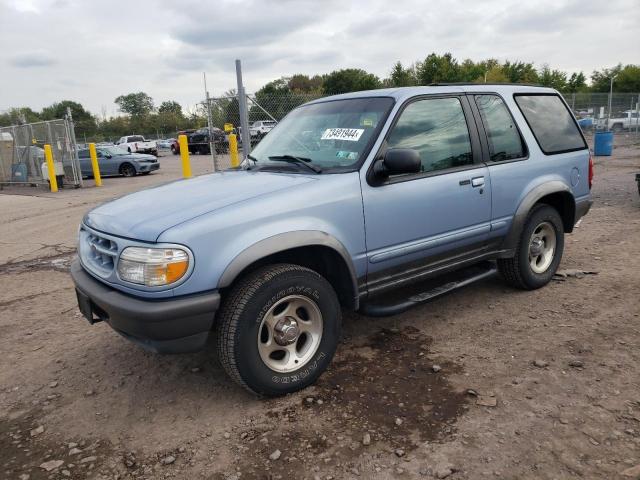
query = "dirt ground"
{"x": 487, "y": 382}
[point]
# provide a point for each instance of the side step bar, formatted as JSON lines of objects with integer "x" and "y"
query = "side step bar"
{"x": 460, "y": 279}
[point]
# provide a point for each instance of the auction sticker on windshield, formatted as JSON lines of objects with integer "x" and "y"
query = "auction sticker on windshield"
{"x": 351, "y": 134}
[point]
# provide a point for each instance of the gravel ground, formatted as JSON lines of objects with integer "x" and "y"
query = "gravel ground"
{"x": 487, "y": 382}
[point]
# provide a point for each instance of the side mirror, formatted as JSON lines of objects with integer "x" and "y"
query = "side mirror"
{"x": 397, "y": 161}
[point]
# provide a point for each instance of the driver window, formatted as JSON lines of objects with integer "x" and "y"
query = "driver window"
{"x": 437, "y": 129}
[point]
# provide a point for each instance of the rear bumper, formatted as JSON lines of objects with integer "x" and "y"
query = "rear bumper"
{"x": 583, "y": 206}
{"x": 176, "y": 325}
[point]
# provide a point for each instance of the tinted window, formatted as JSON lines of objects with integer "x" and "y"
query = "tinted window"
{"x": 437, "y": 129}
{"x": 83, "y": 153}
{"x": 136, "y": 139}
{"x": 504, "y": 139}
{"x": 552, "y": 124}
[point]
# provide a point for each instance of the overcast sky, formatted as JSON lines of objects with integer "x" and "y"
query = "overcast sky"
{"x": 92, "y": 51}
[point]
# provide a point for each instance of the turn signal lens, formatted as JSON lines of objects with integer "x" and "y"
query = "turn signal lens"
{"x": 152, "y": 267}
{"x": 591, "y": 172}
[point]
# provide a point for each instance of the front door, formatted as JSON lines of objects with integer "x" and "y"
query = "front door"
{"x": 414, "y": 222}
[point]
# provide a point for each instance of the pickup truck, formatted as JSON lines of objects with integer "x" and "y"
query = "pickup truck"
{"x": 627, "y": 121}
{"x": 348, "y": 201}
{"x": 137, "y": 144}
{"x": 261, "y": 128}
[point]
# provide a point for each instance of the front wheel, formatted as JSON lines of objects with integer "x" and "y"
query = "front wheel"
{"x": 127, "y": 170}
{"x": 539, "y": 250}
{"x": 279, "y": 329}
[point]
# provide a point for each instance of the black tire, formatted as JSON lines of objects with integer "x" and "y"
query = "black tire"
{"x": 127, "y": 170}
{"x": 517, "y": 270}
{"x": 617, "y": 127}
{"x": 241, "y": 316}
{"x": 174, "y": 150}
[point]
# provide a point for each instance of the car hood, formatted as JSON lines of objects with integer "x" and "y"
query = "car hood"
{"x": 146, "y": 214}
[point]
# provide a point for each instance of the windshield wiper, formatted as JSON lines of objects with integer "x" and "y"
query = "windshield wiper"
{"x": 297, "y": 160}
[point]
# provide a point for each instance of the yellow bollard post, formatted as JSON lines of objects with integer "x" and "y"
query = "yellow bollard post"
{"x": 184, "y": 154}
{"x": 94, "y": 164}
{"x": 51, "y": 168}
{"x": 233, "y": 150}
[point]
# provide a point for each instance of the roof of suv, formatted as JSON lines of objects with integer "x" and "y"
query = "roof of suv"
{"x": 402, "y": 93}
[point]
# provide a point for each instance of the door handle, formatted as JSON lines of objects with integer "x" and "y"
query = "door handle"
{"x": 477, "y": 182}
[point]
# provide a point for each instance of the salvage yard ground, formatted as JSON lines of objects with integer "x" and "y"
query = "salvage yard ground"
{"x": 487, "y": 382}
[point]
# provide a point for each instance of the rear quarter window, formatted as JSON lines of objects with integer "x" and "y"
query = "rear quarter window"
{"x": 551, "y": 122}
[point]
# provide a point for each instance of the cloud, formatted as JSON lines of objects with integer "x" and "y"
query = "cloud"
{"x": 94, "y": 51}
{"x": 36, "y": 58}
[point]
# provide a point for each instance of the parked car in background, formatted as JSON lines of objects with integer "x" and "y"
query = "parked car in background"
{"x": 261, "y": 128}
{"x": 199, "y": 141}
{"x": 628, "y": 120}
{"x": 175, "y": 146}
{"x": 137, "y": 144}
{"x": 166, "y": 143}
{"x": 348, "y": 198}
{"x": 117, "y": 161}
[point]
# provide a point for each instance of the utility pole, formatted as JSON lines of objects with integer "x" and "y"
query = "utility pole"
{"x": 610, "y": 101}
{"x": 244, "y": 112}
{"x": 212, "y": 143}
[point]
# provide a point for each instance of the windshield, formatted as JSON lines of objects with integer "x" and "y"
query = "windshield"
{"x": 113, "y": 151}
{"x": 330, "y": 135}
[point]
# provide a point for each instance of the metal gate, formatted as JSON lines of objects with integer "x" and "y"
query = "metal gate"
{"x": 22, "y": 152}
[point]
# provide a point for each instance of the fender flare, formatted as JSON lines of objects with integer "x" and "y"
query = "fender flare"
{"x": 281, "y": 242}
{"x": 527, "y": 203}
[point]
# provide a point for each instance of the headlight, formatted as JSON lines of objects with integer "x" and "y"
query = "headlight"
{"x": 152, "y": 267}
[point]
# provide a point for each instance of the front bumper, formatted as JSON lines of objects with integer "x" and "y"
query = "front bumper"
{"x": 175, "y": 325}
{"x": 148, "y": 167}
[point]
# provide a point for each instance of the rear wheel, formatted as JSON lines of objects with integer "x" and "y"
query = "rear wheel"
{"x": 539, "y": 250}
{"x": 127, "y": 170}
{"x": 279, "y": 329}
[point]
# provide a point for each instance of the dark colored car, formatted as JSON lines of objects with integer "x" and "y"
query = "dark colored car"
{"x": 116, "y": 161}
{"x": 199, "y": 141}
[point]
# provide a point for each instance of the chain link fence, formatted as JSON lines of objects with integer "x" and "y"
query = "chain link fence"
{"x": 602, "y": 111}
{"x": 22, "y": 153}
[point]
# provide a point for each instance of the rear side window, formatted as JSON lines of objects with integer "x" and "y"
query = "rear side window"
{"x": 136, "y": 139}
{"x": 505, "y": 142}
{"x": 551, "y": 122}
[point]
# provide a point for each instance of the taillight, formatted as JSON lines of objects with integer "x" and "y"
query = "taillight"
{"x": 590, "y": 171}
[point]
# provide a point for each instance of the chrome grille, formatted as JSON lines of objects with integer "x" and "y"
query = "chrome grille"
{"x": 98, "y": 253}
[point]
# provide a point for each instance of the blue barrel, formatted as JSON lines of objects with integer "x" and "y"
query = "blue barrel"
{"x": 603, "y": 144}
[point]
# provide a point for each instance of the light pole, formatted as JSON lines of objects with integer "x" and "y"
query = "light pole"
{"x": 610, "y": 98}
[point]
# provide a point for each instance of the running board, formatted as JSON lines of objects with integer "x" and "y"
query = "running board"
{"x": 457, "y": 280}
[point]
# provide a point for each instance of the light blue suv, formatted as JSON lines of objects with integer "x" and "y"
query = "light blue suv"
{"x": 349, "y": 197}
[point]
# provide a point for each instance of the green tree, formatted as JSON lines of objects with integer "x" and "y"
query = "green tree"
{"x": 300, "y": 83}
{"x": 520, "y": 72}
{"x": 170, "y": 107}
{"x": 349, "y": 80}
{"x": 401, "y": 77}
{"x": 84, "y": 121}
{"x": 577, "y": 83}
{"x": 552, "y": 78}
{"x": 438, "y": 69}
{"x": 15, "y": 116}
{"x": 135, "y": 104}
{"x": 627, "y": 79}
